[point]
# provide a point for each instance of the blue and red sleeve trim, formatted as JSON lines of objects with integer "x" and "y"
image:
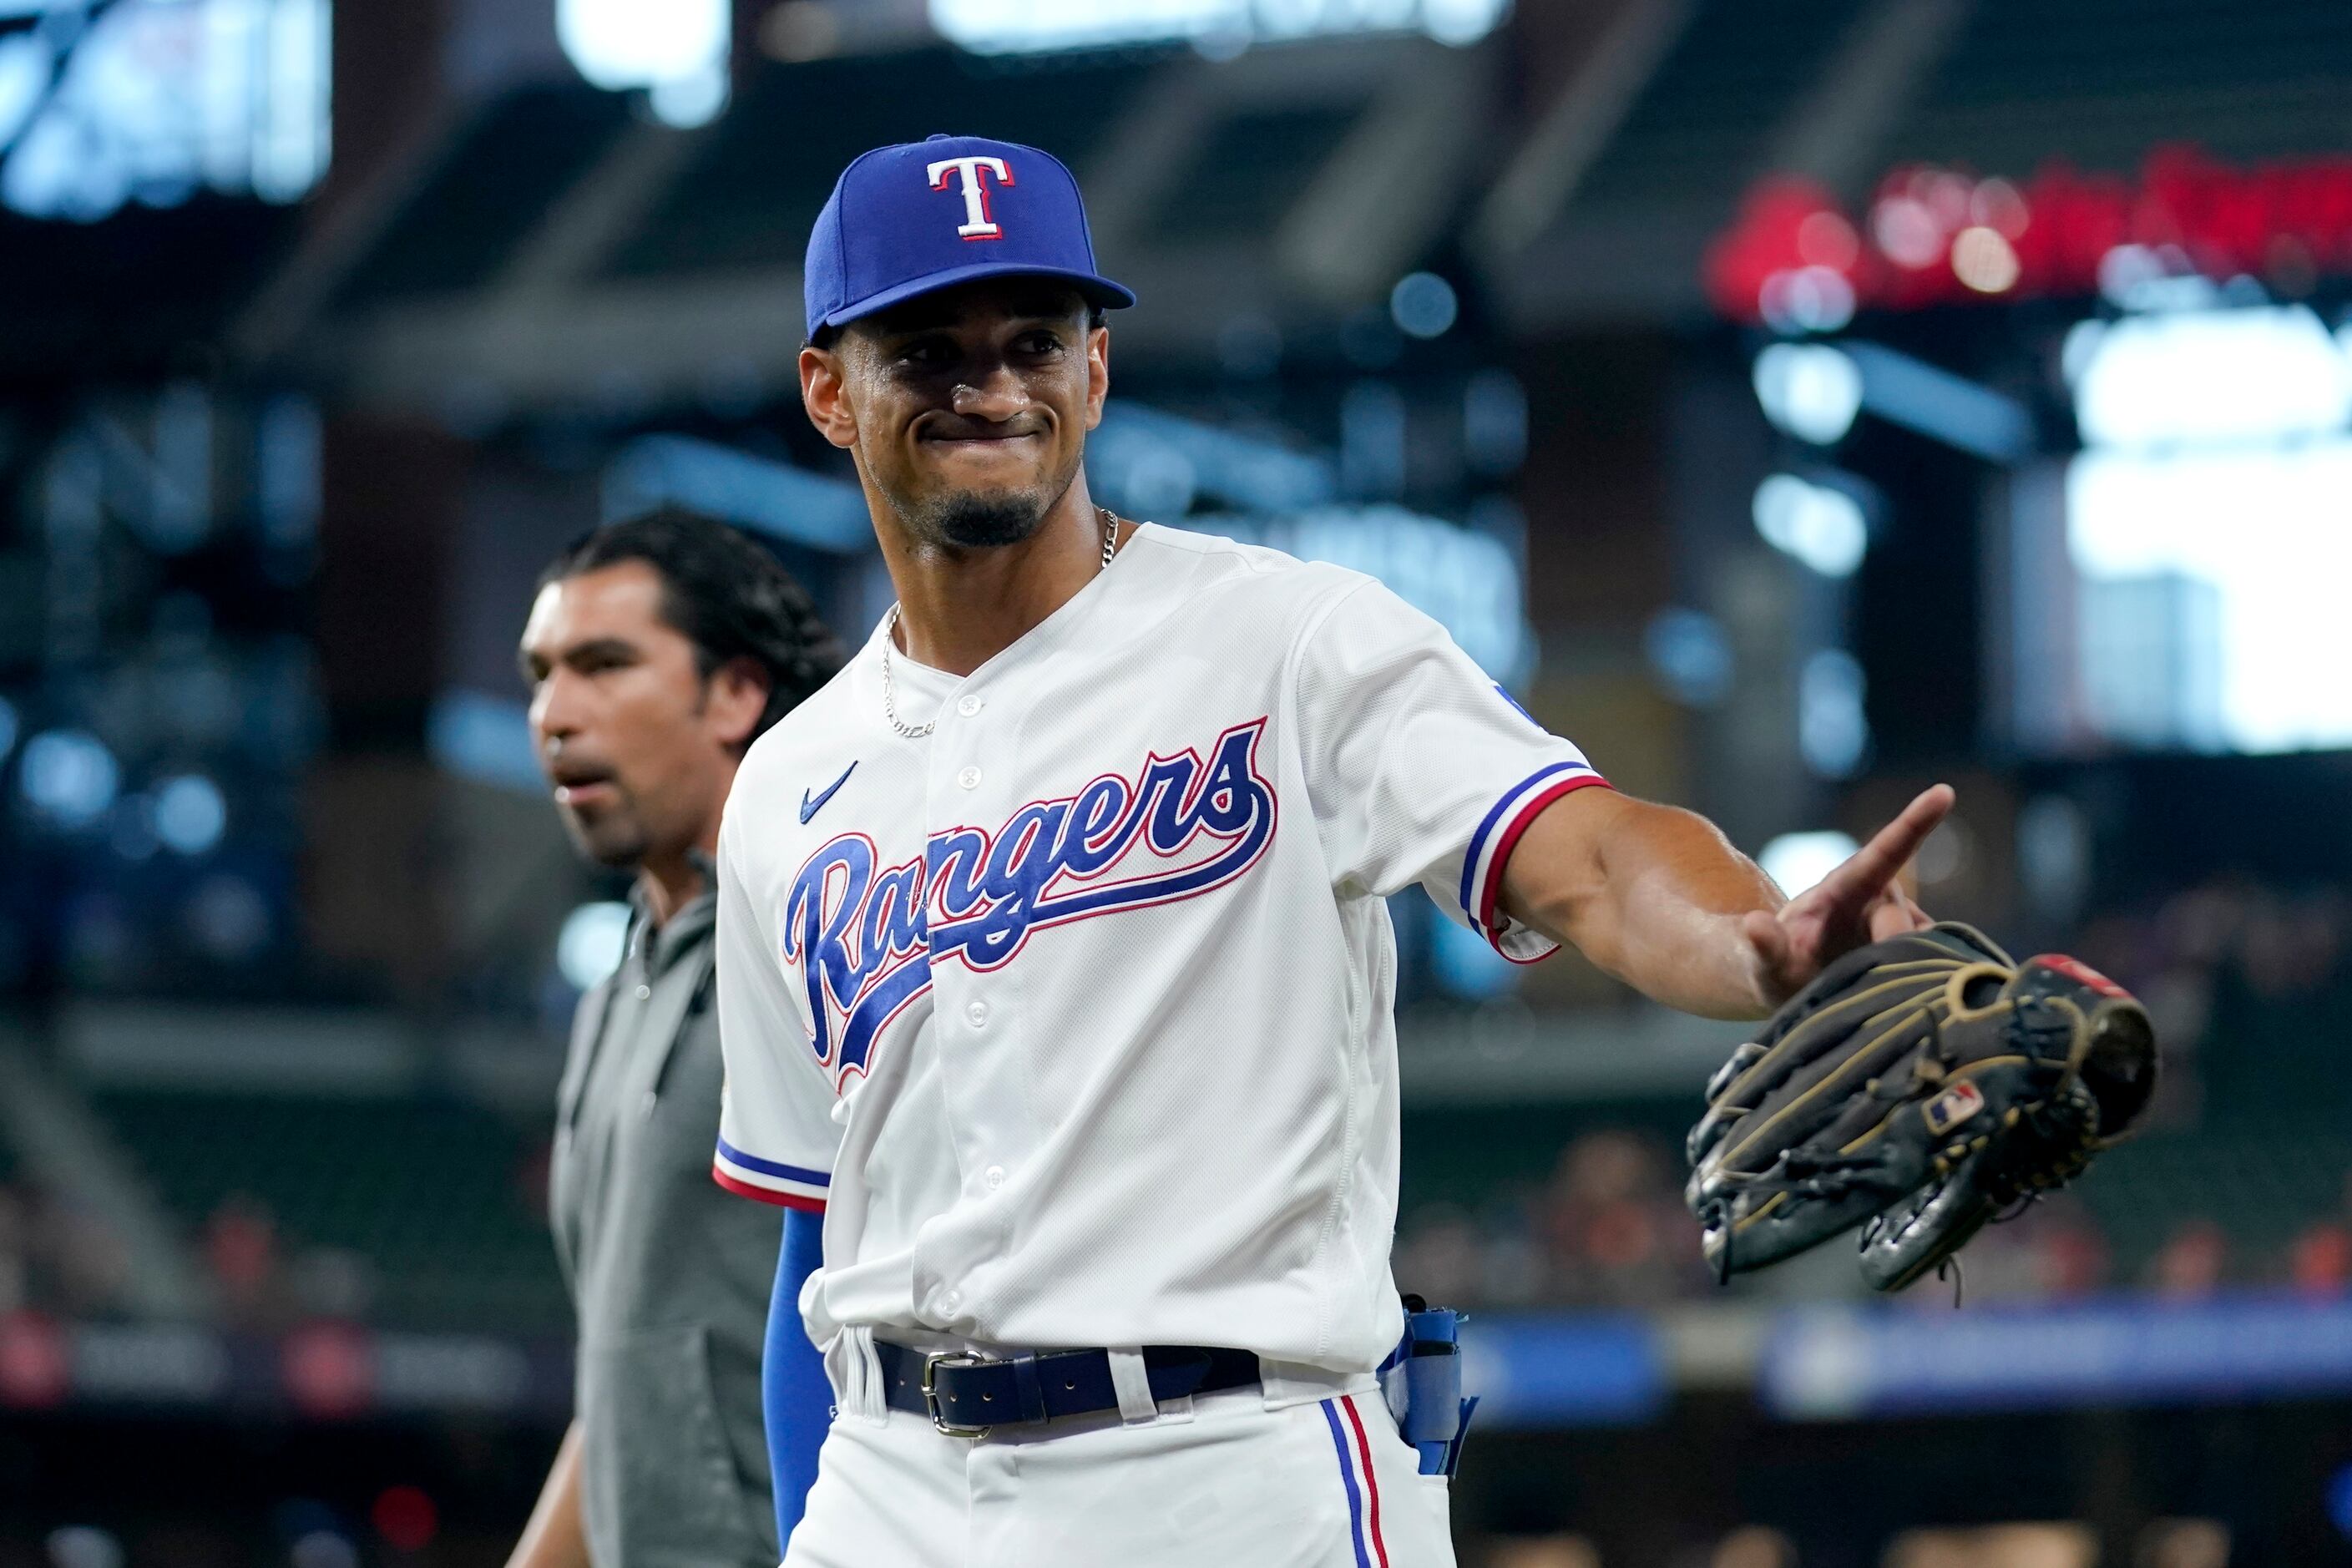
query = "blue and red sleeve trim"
{"x": 1490, "y": 853}
{"x": 770, "y": 1181}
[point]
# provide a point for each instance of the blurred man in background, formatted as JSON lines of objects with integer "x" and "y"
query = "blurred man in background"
{"x": 657, "y": 650}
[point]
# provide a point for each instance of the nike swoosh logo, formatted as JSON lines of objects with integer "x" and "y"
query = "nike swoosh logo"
{"x": 811, "y": 807}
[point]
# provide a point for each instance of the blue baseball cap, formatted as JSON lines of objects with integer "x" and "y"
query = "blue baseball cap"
{"x": 921, "y": 216}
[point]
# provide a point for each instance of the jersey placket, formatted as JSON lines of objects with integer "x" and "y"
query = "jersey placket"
{"x": 971, "y": 783}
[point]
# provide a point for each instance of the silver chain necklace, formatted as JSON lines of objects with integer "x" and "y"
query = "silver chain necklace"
{"x": 890, "y": 634}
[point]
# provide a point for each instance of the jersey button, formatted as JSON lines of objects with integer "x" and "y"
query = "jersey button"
{"x": 968, "y": 778}
{"x": 993, "y": 1176}
{"x": 952, "y": 1301}
{"x": 967, "y": 706}
{"x": 978, "y": 1013}
{"x": 643, "y": 992}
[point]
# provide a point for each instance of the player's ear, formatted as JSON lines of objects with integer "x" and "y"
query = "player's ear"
{"x": 822, "y": 394}
{"x": 1098, "y": 374}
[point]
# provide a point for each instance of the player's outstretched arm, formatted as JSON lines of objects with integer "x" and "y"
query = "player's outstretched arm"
{"x": 1658, "y": 896}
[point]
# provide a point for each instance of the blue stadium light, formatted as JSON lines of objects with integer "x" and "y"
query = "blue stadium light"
{"x": 1812, "y": 391}
{"x": 1690, "y": 655}
{"x": 1818, "y": 524}
{"x": 190, "y": 813}
{"x": 1219, "y": 28}
{"x": 1466, "y": 965}
{"x": 1932, "y": 402}
{"x": 1833, "y": 734}
{"x": 2339, "y": 1500}
{"x": 676, "y": 49}
{"x": 2269, "y": 373}
{"x": 1423, "y": 305}
{"x": 152, "y": 101}
{"x": 483, "y": 738}
{"x": 1799, "y": 860}
{"x": 1806, "y": 300}
{"x": 2190, "y": 635}
{"x": 68, "y": 776}
{"x": 590, "y": 946}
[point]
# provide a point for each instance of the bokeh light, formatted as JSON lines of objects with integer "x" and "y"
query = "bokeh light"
{"x": 1984, "y": 260}
{"x": 1798, "y": 861}
{"x": 190, "y": 813}
{"x": 1423, "y": 305}
{"x": 405, "y": 1517}
{"x": 1818, "y": 524}
{"x": 84, "y": 1546}
{"x": 589, "y": 947}
{"x": 68, "y": 776}
{"x": 1812, "y": 391}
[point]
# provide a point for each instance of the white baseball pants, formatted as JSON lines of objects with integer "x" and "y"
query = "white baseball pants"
{"x": 1228, "y": 1483}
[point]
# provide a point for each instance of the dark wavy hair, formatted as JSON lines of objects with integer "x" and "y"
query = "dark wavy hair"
{"x": 723, "y": 593}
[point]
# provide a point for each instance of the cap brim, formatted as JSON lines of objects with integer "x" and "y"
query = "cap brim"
{"x": 1097, "y": 290}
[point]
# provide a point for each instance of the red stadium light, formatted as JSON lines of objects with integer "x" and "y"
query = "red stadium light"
{"x": 405, "y": 1517}
{"x": 1938, "y": 236}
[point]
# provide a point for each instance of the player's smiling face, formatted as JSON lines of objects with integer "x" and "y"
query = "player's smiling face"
{"x": 967, "y": 408}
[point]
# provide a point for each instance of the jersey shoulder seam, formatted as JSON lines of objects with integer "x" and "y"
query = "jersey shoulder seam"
{"x": 1259, "y": 559}
{"x": 1324, "y": 609}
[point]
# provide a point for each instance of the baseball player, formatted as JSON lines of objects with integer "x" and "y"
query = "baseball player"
{"x": 1053, "y": 964}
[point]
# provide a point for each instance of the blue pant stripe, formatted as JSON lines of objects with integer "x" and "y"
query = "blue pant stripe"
{"x": 1347, "y": 1476}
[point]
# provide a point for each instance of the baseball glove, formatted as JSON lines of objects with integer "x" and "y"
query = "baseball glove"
{"x": 1918, "y": 1087}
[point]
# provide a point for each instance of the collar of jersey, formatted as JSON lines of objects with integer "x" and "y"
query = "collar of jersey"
{"x": 1068, "y": 619}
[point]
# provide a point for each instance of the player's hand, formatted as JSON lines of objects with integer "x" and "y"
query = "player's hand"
{"x": 1860, "y": 903}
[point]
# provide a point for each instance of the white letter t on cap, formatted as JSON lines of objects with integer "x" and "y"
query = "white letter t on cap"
{"x": 977, "y": 224}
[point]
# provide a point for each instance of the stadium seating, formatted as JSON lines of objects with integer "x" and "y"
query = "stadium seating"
{"x": 437, "y": 1198}
{"x": 2265, "y": 1189}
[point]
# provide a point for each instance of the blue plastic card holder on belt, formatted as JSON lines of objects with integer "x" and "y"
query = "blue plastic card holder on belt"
{"x": 1421, "y": 1382}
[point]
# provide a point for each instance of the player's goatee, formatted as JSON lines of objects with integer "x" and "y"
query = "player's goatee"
{"x": 974, "y": 522}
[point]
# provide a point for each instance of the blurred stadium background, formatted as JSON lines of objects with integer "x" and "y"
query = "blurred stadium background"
{"x": 1792, "y": 402}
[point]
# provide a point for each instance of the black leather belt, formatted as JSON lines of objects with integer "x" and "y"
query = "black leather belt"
{"x": 969, "y": 1395}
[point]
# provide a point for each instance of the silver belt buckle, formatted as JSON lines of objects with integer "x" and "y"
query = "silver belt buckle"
{"x": 931, "y": 1365}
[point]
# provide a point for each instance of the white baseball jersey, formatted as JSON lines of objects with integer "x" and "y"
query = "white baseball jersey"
{"x": 1076, "y": 1017}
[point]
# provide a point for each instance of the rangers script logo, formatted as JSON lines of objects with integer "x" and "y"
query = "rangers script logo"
{"x": 865, "y": 936}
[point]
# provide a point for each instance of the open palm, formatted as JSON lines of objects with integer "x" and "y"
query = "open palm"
{"x": 1858, "y": 903}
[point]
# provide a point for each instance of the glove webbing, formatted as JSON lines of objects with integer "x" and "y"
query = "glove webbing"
{"x": 1796, "y": 1173}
